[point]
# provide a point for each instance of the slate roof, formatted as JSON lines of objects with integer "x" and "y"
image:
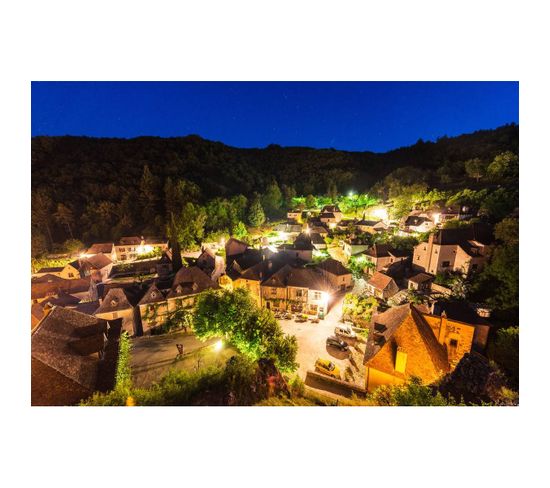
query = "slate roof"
{"x": 367, "y": 223}
{"x": 421, "y": 278}
{"x": 279, "y": 278}
{"x": 403, "y": 327}
{"x": 316, "y": 238}
{"x": 415, "y": 220}
{"x": 378, "y": 251}
{"x": 55, "y": 269}
{"x": 155, "y": 241}
{"x": 190, "y": 280}
{"x": 331, "y": 208}
{"x": 153, "y": 295}
{"x": 62, "y": 345}
{"x": 115, "y": 300}
{"x": 47, "y": 278}
{"x": 41, "y": 289}
{"x": 475, "y": 232}
{"x": 308, "y": 277}
{"x": 334, "y": 267}
{"x": 99, "y": 261}
{"x": 380, "y": 281}
{"x": 327, "y": 215}
{"x": 129, "y": 241}
{"x": 459, "y": 311}
{"x": 102, "y": 247}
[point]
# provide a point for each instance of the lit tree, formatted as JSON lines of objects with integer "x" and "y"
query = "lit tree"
{"x": 311, "y": 201}
{"x": 272, "y": 199}
{"x": 256, "y": 215}
{"x": 475, "y": 168}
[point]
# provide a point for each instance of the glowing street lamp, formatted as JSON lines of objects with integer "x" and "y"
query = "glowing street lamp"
{"x": 218, "y": 346}
{"x": 381, "y": 213}
{"x": 436, "y": 218}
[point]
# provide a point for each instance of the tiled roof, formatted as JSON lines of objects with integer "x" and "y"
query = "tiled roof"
{"x": 153, "y": 295}
{"x": 102, "y": 247}
{"x": 476, "y": 232}
{"x": 310, "y": 278}
{"x": 378, "y": 251}
{"x": 334, "y": 267}
{"x": 43, "y": 289}
{"x": 415, "y": 220}
{"x": 55, "y": 269}
{"x": 190, "y": 280}
{"x": 99, "y": 261}
{"x": 404, "y": 328}
{"x": 380, "y": 281}
{"x": 421, "y": 278}
{"x": 115, "y": 300}
{"x": 129, "y": 241}
{"x": 63, "y": 343}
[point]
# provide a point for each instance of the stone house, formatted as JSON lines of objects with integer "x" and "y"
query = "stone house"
{"x": 452, "y": 250}
{"x": 420, "y": 282}
{"x": 418, "y": 223}
{"x": 411, "y": 340}
{"x": 302, "y": 248}
{"x": 120, "y": 303}
{"x": 371, "y": 226}
{"x": 400, "y": 345}
{"x": 380, "y": 256}
{"x": 334, "y": 210}
{"x": 340, "y": 278}
{"x": 382, "y": 286}
{"x": 354, "y": 245}
{"x": 67, "y": 272}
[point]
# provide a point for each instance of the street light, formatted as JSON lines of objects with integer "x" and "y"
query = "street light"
{"x": 218, "y": 346}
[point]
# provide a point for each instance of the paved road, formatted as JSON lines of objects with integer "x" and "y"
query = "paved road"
{"x": 312, "y": 344}
{"x": 153, "y": 356}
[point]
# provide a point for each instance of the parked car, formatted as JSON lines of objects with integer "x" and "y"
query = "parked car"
{"x": 314, "y": 320}
{"x": 300, "y": 319}
{"x": 345, "y": 331}
{"x": 327, "y": 367}
{"x": 336, "y": 342}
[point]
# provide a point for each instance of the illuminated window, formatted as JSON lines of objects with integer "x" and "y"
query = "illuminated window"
{"x": 317, "y": 295}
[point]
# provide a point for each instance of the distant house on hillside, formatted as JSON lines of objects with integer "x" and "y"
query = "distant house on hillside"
{"x": 302, "y": 248}
{"x": 334, "y": 210}
{"x": 371, "y": 226}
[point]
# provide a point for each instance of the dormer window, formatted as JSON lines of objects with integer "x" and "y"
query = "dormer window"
{"x": 179, "y": 289}
{"x": 153, "y": 294}
{"x": 114, "y": 302}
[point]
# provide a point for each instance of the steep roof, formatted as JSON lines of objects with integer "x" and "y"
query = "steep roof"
{"x": 235, "y": 246}
{"x": 331, "y": 208}
{"x": 404, "y": 328}
{"x": 316, "y": 238}
{"x": 43, "y": 289}
{"x": 129, "y": 241}
{"x": 62, "y": 344}
{"x": 117, "y": 299}
{"x": 334, "y": 267}
{"x": 153, "y": 295}
{"x": 55, "y": 269}
{"x": 378, "y": 251}
{"x": 279, "y": 278}
{"x": 368, "y": 223}
{"x": 459, "y": 311}
{"x": 101, "y": 247}
{"x": 310, "y": 278}
{"x": 416, "y": 220}
{"x": 380, "y": 281}
{"x": 99, "y": 261}
{"x": 475, "y": 232}
{"x": 190, "y": 280}
{"x": 327, "y": 215}
{"x": 421, "y": 278}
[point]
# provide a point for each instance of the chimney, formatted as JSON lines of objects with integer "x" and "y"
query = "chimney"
{"x": 442, "y": 327}
{"x": 400, "y": 360}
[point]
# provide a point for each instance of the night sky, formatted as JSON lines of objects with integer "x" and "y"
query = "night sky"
{"x": 354, "y": 116}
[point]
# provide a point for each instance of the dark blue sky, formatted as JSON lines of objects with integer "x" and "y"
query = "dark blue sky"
{"x": 358, "y": 116}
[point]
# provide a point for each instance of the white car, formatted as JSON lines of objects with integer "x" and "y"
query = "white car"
{"x": 345, "y": 331}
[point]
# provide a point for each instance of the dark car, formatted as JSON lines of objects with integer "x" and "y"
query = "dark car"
{"x": 339, "y": 343}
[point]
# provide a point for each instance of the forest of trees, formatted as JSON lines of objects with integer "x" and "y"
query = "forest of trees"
{"x": 94, "y": 189}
